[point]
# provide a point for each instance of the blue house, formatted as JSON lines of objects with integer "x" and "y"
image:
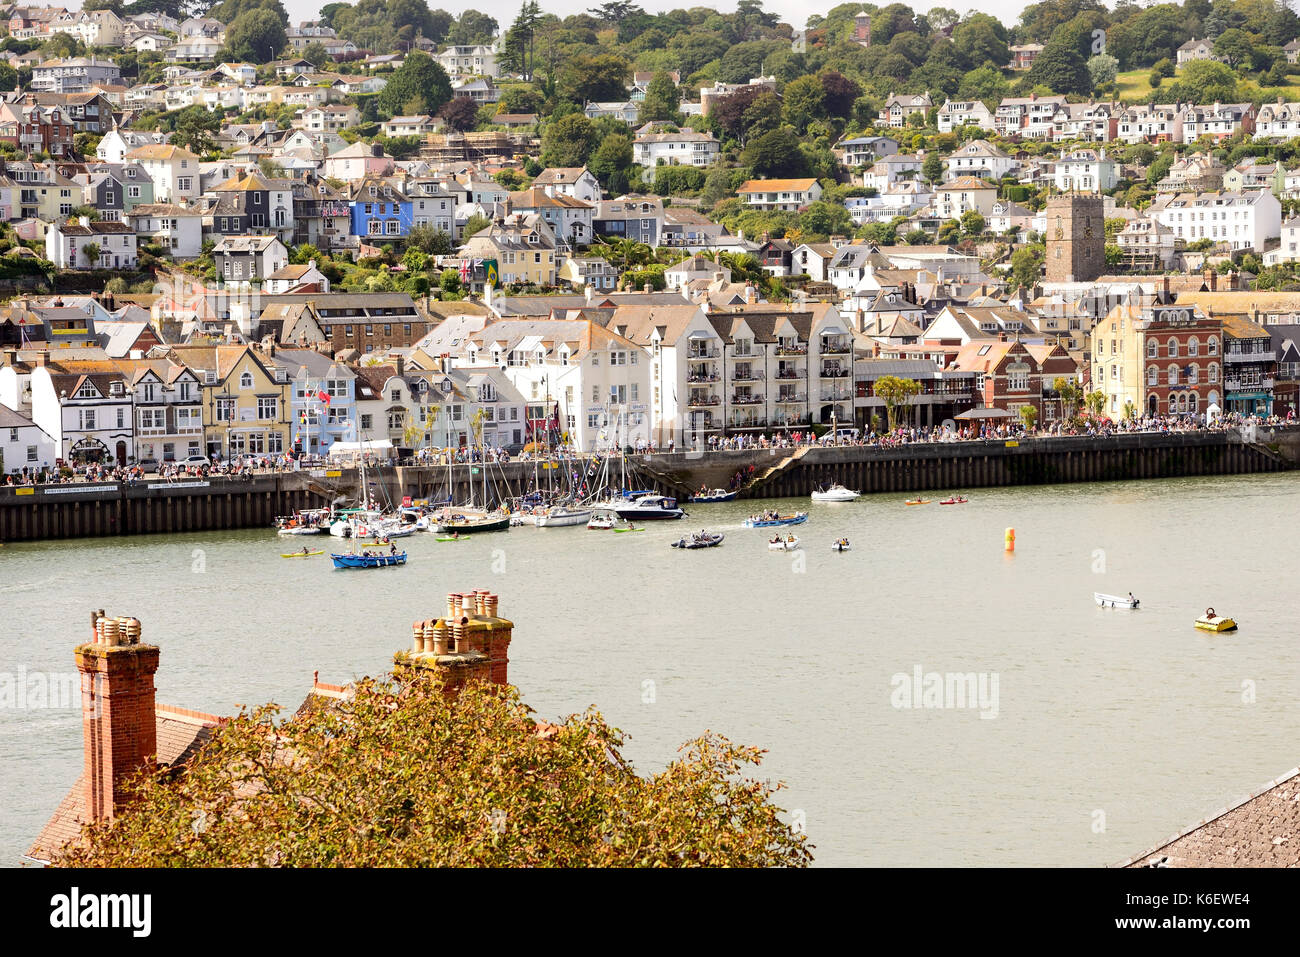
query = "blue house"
{"x": 317, "y": 422}
{"x": 380, "y": 211}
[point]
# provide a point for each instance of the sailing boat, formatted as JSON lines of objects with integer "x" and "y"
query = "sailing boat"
{"x": 469, "y": 520}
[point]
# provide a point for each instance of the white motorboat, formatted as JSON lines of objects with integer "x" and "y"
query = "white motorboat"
{"x": 787, "y": 544}
{"x": 647, "y": 508}
{"x": 1115, "y": 601}
{"x": 835, "y": 493}
{"x": 558, "y": 515}
{"x": 841, "y": 546}
{"x": 602, "y": 520}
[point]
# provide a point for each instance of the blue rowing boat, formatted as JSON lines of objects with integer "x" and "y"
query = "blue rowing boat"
{"x": 798, "y": 518}
{"x": 368, "y": 561}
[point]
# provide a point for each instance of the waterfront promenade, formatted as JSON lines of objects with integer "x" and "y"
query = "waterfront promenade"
{"x": 256, "y": 497}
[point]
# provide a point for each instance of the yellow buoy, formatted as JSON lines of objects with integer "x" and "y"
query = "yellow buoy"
{"x": 1010, "y": 540}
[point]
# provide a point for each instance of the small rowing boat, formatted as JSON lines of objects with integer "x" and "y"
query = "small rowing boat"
{"x": 841, "y": 546}
{"x": 1212, "y": 622}
{"x": 787, "y": 544}
{"x": 372, "y": 560}
{"x": 772, "y": 520}
{"x": 1115, "y": 601}
{"x": 917, "y": 501}
{"x": 301, "y": 554}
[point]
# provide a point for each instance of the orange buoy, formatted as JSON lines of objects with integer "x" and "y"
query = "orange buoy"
{"x": 1010, "y": 539}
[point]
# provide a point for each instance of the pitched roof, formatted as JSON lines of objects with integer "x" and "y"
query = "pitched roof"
{"x": 776, "y": 185}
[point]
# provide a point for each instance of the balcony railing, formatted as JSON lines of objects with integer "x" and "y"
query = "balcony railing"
{"x": 835, "y": 396}
{"x": 1247, "y": 385}
{"x": 700, "y": 401}
{"x": 792, "y": 398}
{"x": 702, "y": 377}
{"x": 747, "y": 400}
{"x": 796, "y": 352}
{"x": 696, "y": 355}
{"x": 1268, "y": 356}
{"x": 835, "y": 373}
{"x": 788, "y": 374}
{"x": 749, "y": 375}
{"x": 835, "y": 349}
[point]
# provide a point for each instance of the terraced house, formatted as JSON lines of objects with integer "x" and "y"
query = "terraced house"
{"x": 246, "y": 402}
{"x": 380, "y": 210}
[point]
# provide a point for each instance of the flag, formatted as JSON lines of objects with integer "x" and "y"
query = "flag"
{"x": 465, "y": 270}
{"x": 490, "y": 275}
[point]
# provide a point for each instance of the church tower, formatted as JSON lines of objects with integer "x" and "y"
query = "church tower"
{"x": 1076, "y": 238}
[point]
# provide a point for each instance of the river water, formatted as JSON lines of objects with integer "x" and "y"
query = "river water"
{"x": 1099, "y": 733}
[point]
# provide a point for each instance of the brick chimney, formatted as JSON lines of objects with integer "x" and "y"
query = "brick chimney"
{"x": 117, "y": 711}
{"x": 469, "y": 643}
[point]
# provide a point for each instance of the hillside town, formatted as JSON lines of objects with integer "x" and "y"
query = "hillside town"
{"x": 227, "y": 236}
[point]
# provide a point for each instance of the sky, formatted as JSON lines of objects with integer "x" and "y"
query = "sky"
{"x": 790, "y": 11}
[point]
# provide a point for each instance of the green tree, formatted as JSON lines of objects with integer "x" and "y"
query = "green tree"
{"x": 981, "y": 39}
{"x": 90, "y": 252}
{"x": 1102, "y": 70}
{"x": 611, "y": 161}
{"x": 475, "y": 225}
{"x": 972, "y": 223}
{"x": 404, "y": 774}
{"x": 8, "y": 78}
{"x": 1060, "y": 68}
{"x": 1071, "y": 394}
{"x": 1096, "y": 402}
{"x": 256, "y": 35}
{"x": 1028, "y": 417}
{"x": 603, "y": 77}
{"x": 932, "y": 167}
{"x": 896, "y": 393}
{"x": 803, "y": 101}
{"x": 776, "y": 154}
{"x": 419, "y": 85}
{"x": 569, "y": 141}
{"x": 662, "y": 99}
{"x": 460, "y": 113}
{"x": 195, "y": 129}
{"x": 1027, "y": 265}
{"x": 1235, "y": 47}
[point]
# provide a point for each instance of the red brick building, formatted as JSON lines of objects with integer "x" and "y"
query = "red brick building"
{"x": 1010, "y": 374}
{"x": 1182, "y": 354}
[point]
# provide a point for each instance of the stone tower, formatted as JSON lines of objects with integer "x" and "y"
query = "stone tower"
{"x": 862, "y": 28}
{"x": 1076, "y": 238}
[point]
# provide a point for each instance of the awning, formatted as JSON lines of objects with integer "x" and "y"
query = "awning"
{"x": 986, "y": 414}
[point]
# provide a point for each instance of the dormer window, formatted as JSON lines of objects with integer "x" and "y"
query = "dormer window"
{"x": 246, "y": 380}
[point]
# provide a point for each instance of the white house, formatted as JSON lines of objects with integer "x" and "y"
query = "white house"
{"x": 1244, "y": 220}
{"x": 174, "y": 171}
{"x": 1288, "y": 251}
{"x": 117, "y": 142}
{"x": 69, "y": 245}
{"x": 681, "y": 148}
{"x": 576, "y": 181}
{"x": 955, "y": 114}
{"x": 87, "y": 413}
{"x": 962, "y": 195}
{"x": 477, "y": 60}
{"x": 980, "y": 159}
{"x": 1278, "y": 120}
{"x": 1219, "y": 120}
{"x": 898, "y": 107}
{"x": 783, "y": 194}
{"x": 1085, "y": 171}
{"x": 23, "y": 443}
{"x": 177, "y": 229}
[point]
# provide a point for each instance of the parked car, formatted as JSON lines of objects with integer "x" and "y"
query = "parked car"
{"x": 194, "y": 462}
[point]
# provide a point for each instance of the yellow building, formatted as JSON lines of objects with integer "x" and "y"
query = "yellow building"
{"x": 44, "y": 194}
{"x": 1115, "y": 360}
{"x": 246, "y": 401}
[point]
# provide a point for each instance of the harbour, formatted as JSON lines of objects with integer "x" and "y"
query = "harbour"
{"x": 1113, "y": 727}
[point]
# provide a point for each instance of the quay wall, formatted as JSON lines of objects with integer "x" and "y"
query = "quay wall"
{"x": 102, "y": 509}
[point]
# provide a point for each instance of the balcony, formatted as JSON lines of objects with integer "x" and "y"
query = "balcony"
{"x": 1268, "y": 356}
{"x": 1247, "y": 385}
{"x": 700, "y": 355}
{"x": 702, "y": 377}
{"x": 747, "y": 399}
{"x": 700, "y": 400}
{"x": 836, "y": 395}
{"x": 836, "y": 348}
{"x": 835, "y": 373}
{"x": 792, "y": 398}
{"x": 748, "y": 375}
{"x": 788, "y": 374}
{"x": 792, "y": 351}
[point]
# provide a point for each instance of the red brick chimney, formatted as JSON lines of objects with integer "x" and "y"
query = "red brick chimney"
{"x": 470, "y": 643}
{"x": 117, "y": 711}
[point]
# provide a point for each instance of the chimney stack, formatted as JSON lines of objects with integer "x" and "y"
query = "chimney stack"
{"x": 469, "y": 643}
{"x": 401, "y": 366}
{"x": 117, "y": 711}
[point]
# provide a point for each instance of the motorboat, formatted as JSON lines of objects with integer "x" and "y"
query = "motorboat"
{"x": 369, "y": 560}
{"x": 647, "y": 508}
{"x": 1115, "y": 601}
{"x": 356, "y": 523}
{"x": 840, "y": 546}
{"x": 558, "y": 515}
{"x": 714, "y": 495}
{"x": 700, "y": 540}
{"x": 468, "y": 524}
{"x": 787, "y": 544}
{"x": 1214, "y": 622}
{"x": 305, "y": 522}
{"x": 955, "y": 500}
{"x": 602, "y": 520}
{"x": 773, "y": 520}
{"x": 835, "y": 493}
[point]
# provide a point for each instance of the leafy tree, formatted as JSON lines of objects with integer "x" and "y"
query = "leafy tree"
{"x": 662, "y": 99}
{"x": 8, "y": 78}
{"x": 471, "y": 28}
{"x": 896, "y": 393}
{"x": 256, "y": 35}
{"x": 474, "y": 225}
{"x": 610, "y": 162}
{"x": 404, "y": 774}
{"x": 916, "y": 237}
{"x": 315, "y": 54}
{"x": 775, "y": 154}
{"x": 600, "y": 78}
{"x": 1028, "y": 417}
{"x": 517, "y": 49}
{"x": 569, "y": 141}
{"x": 1027, "y": 265}
{"x": 932, "y": 167}
{"x": 91, "y": 253}
{"x": 981, "y": 39}
{"x": 1060, "y": 68}
{"x": 420, "y": 82}
{"x": 615, "y": 11}
{"x": 1205, "y": 81}
{"x": 825, "y": 219}
{"x": 428, "y": 240}
{"x": 803, "y": 101}
{"x": 840, "y": 92}
{"x": 1235, "y": 47}
{"x": 195, "y": 128}
{"x": 972, "y": 223}
{"x": 1159, "y": 168}
{"x": 460, "y": 113}
{"x": 1102, "y": 70}
{"x": 985, "y": 84}
{"x": 1071, "y": 394}
{"x": 1164, "y": 66}
{"x": 1096, "y": 402}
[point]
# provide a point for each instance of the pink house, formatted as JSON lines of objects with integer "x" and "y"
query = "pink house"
{"x": 357, "y": 161}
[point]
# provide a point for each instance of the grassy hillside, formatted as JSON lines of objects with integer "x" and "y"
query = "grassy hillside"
{"x": 1134, "y": 88}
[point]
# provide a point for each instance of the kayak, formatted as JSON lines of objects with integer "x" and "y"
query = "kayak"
{"x": 448, "y": 538}
{"x": 620, "y": 531}
{"x": 917, "y": 501}
{"x": 302, "y": 554}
